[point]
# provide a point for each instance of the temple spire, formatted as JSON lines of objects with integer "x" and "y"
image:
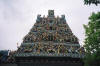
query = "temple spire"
{"x": 50, "y": 13}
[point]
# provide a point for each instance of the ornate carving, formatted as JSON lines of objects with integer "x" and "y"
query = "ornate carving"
{"x": 50, "y": 35}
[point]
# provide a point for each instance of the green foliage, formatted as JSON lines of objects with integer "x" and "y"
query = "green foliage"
{"x": 92, "y": 40}
{"x": 88, "y": 2}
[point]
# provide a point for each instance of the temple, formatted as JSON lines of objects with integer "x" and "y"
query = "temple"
{"x": 50, "y": 42}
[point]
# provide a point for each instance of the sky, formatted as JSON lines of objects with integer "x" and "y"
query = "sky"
{"x": 18, "y": 16}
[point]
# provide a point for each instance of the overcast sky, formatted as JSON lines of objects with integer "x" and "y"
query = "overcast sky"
{"x": 18, "y": 16}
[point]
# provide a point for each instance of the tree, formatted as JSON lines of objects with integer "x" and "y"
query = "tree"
{"x": 88, "y": 2}
{"x": 92, "y": 40}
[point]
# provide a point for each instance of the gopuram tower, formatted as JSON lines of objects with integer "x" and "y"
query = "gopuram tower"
{"x": 50, "y": 42}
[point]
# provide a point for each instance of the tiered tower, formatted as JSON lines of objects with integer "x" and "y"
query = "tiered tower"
{"x": 50, "y": 37}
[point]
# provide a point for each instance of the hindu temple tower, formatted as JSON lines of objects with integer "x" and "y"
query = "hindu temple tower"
{"x": 50, "y": 42}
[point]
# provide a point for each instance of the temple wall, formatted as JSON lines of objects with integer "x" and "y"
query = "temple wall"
{"x": 10, "y": 64}
{"x": 43, "y": 64}
{"x": 54, "y": 64}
